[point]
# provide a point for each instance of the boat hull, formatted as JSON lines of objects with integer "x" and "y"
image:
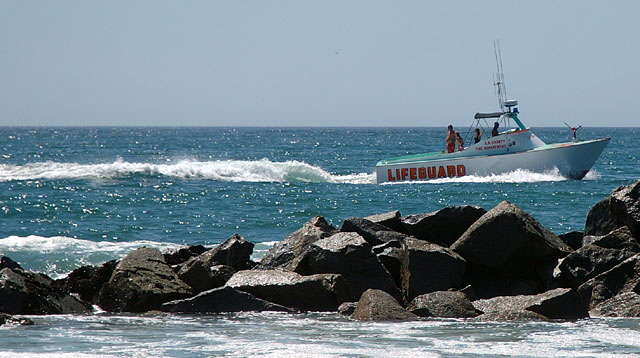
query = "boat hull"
{"x": 572, "y": 159}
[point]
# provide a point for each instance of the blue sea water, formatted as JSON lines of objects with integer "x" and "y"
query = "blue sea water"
{"x": 77, "y": 196}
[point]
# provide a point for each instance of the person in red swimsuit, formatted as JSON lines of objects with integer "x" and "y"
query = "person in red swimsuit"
{"x": 451, "y": 139}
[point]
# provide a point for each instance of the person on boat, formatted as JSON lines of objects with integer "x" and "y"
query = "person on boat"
{"x": 477, "y": 136}
{"x": 460, "y": 142}
{"x": 494, "y": 131}
{"x": 451, "y": 139}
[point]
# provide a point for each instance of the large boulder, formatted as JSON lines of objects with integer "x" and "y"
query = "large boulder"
{"x": 235, "y": 252}
{"x": 375, "y": 234}
{"x": 561, "y": 303}
{"x": 442, "y": 227}
{"x": 378, "y": 305}
{"x": 621, "y": 208}
{"x": 28, "y": 293}
{"x": 391, "y": 219}
{"x": 282, "y": 254}
{"x": 7, "y": 262}
{"x": 511, "y": 242}
{"x": 602, "y": 254}
{"x": 428, "y": 268}
{"x": 181, "y": 255}
{"x": 626, "y": 304}
{"x": 443, "y": 304}
{"x": 347, "y": 254}
{"x": 142, "y": 281}
{"x": 220, "y": 300}
{"x": 202, "y": 275}
{"x": 320, "y": 292}
{"x": 622, "y": 278}
{"x": 87, "y": 281}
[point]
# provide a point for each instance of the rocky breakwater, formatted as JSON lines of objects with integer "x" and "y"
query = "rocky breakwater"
{"x": 458, "y": 262}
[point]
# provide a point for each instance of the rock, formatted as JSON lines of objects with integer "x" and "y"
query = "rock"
{"x": 488, "y": 284}
{"x": 235, "y": 252}
{"x": 442, "y": 227}
{"x": 443, "y": 304}
{"x": 390, "y": 220}
{"x": 375, "y": 234}
{"x": 281, "y": 255}
{"x": 621, "y": 208}
{"x": 8, "y": 320}
{"x": 87, "y": 281}
{"x": 347, "y": 308}
{"x": 392, "y": 255}
{"x": 198, "y": 274}
{"x": 602, "y": 254}
{"x": 8, "y": 263}
{"x": 219, "y": 300}
{"x": 561, "y": 303}
{"x": 347, "y": 254}
{"x": 518, "y": 315}
{"x": 573, "y": 239}
{"x": 320, "y": 292}
{"x": 183, "y": 254}
{"x": 511, "y": 242}
{"x": 626, "y": 304}
{"x": 142, "y": 281}
{"x": 428, "y": 268}
{"x": 378, "y": 305}
{"x": 28, "y": 293}
{"x": 622, "y": 278}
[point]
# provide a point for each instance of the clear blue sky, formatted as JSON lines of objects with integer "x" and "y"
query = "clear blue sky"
{"x": 316, "y": 63}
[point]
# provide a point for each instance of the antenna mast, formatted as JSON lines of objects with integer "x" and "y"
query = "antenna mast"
{"x": 498, "y": 78}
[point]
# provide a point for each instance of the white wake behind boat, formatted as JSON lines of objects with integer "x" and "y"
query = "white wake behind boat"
{"x": 512, "y": 149}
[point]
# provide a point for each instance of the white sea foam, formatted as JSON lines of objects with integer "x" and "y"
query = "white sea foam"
{"x": 221, "y": 170}
{"x": 57, "y": 256}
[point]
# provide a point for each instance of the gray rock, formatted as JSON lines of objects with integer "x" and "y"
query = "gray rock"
{"x": 509, "y": 316}
{"x": 28, "y": 293}
{"x": 8, "y": 263}
{"x": 561, "y": 303}
{"x": 626, "y": 304}
{"x": 202, "y": 274}
{"x": 235, "y": 252}
{"x": 443, "y": 304}
{"x": 602, "y": 254}
{"x": 428, "y": 268}
{"x": 142, "y": 281}
{"x": 442, "y": 227}
{"x": 282, "y": 254}
{"x": 183, "y": 254}
{"x": 320, "y": 292}
{"x": 220, "y": 300}
{"x": 511, "y": 242}
{"x": 621, "y": 208}
{"x": 378, "y": 305}
{"x": 87, "y": 281}
{"x": 375, "y": 234}
{"x": 390, "y": 220}
{"x": 622, "y": 278}
{"x": 347, "y": 254}
{"x": 347, "y": 308}
{"x": 573, "y": 239}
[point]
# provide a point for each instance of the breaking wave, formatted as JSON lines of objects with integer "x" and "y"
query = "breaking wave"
{"x": 220, "y": 170}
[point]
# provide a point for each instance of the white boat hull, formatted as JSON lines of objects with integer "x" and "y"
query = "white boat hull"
{"x": 572, "y": 159}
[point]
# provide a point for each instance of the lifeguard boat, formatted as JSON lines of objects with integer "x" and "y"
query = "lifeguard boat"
{"x": 512, "y": 149}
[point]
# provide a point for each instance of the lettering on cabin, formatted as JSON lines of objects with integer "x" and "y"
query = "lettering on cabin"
{"x": 492, "y": 144}
{"x": 433, "y": 172}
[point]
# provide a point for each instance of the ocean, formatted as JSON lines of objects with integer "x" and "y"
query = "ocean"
{"x": 73, "y": 196}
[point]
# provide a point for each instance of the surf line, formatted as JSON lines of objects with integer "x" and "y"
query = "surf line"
{"x": 441, "y": 171}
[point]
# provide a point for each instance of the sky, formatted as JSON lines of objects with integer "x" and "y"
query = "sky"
{"x": 315, "y": 63}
